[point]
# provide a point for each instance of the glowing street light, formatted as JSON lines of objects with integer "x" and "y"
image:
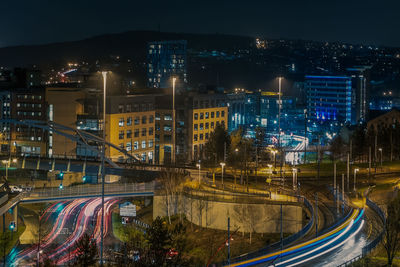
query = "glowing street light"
{"x": 222, "y": 175}
{"x": 199, "y": 166}
{"x": 355, "y": 174}
{"x": 380, "y": 150}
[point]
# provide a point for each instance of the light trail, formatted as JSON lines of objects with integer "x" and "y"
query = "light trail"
{"x": 356, "y": 215}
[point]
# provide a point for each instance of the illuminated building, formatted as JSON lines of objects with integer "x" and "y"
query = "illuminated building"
{"x": 164, "y": 60}
{"x": 64, "y": 103}
{"x": 140, "y": 124}
{"x": 22, "y": 98}
{"x": 207, "y": 111}
{"x": 329, "y": 98}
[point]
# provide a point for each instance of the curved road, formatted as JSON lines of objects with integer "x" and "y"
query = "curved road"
{"x": 334, "y": 247}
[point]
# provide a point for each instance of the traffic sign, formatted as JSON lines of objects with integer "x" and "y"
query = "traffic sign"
{"x": 127, "y": 209}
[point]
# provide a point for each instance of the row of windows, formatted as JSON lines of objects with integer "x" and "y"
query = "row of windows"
{"x": 200, "y": 137}
{"x": 206, "y": 125}
{"x": 207, "y": 115}
{"x": 121, "y": 134}
{"x": 33, "y": 97}
{"x": 137, "y": 120}
{"x": 33, "y": 114}
{"x": 26, "y": 105}
{"x": 137, "y": 145}
{"x": 135, "y": 107}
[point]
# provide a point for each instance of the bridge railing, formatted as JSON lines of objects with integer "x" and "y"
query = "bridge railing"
{"x": 87, "y": 189}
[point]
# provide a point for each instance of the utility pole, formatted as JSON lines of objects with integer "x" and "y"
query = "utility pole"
{"x": 305, "y": 136}
{"x": 281, "y": 229}
{"x": 348, "y": 172}
{"x": 316, "y": 214}
{"x": 369, "y": 164}
{"x": 342, "y": 193}
{"x": 318, "y": 158}
{"x": 334, "y": 183}
{"x": 229, "y": 241}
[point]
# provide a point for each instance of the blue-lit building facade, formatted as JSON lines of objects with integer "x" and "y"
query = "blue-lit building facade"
{"x": 243, "y": 109}
{"x": 329, "y": 98}
{"x": 166, "y": 59}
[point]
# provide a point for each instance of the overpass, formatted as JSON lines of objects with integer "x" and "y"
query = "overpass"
{"x": 89, "y": 191}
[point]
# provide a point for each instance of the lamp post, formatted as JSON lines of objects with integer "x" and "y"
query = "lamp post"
{"x": 355, "y": 177}
{"x": 380, "y": 150}
{"x": 294, "y": 178}
{"x": 279, "y": 110}
{"x": 274, "y": 152}
{"x": 7, "y": 164}
{"x": 198, "y": 166}
{"x": 222, "y": 172}
{"x": 103, "y": 152}
{"x": 173, "y": 120}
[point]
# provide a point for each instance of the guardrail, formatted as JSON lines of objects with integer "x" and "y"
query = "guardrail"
{"x": 370, "y": 246}
{"x": 286, "y": 241}
{"x": 89, "y": 190}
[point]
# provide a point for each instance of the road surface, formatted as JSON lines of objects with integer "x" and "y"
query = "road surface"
{"x": 330, "y": 249}
{"x": 63, "y": 223}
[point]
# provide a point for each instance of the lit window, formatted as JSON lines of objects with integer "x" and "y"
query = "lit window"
{"x": 167, "y": 117}
{"x": 143, "y": 144}
{"x": 207, "y": 115}
{"x": 128, "y": 146}
{"x": 137, "y": 120}
{"x": 135, "y": 145}
{"x": 150, "y": 143}
{"x": 121, "y": 135}
{"x": 129, "y": 121}
{"x": 121, "y": 122}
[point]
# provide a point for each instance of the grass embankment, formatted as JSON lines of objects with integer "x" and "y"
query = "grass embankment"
{"x": 203, "y": 243}
{"x": 8, "y": 240}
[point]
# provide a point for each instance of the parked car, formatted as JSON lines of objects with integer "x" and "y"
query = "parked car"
{"x": 15, "y": 189}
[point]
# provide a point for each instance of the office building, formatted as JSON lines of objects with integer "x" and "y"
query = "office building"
{"x": 329, "y": 98}
{"x": 65, "y": 103}
{"x": 22, "y": 98}
{"x": 166, "y": 59}
{"x": 206, "y": 111}
{"x": 360, "y": 79}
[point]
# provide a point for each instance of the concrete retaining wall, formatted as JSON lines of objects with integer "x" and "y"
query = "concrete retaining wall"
{"x": 259, "y": 218}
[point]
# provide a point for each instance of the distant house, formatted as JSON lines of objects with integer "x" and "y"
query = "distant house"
{"x": 385, "y": 120}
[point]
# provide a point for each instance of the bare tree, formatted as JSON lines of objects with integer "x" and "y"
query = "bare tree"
{"x": 391, "y": 240}
{"x": 172, "y": 181}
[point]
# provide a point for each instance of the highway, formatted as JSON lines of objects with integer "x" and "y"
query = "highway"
{"x": 64, "y": 222}
{"x": 333, "y": 247}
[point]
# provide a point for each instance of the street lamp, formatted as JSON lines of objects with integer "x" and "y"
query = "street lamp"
{"x": 173, "y": 120}
{"x": 294, "y": 178}
{"x": 103, "y": 152}
{"x": 7, "y": 164}
{"x": 355, "y": 174}
{"x": 274, "y": 152}
{"x": 222, "y": 174}
{"x": 380, "y": 150}
{"x": 199, "y": 166}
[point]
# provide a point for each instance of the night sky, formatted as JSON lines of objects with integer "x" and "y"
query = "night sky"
{"x": 355, "y": 21}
